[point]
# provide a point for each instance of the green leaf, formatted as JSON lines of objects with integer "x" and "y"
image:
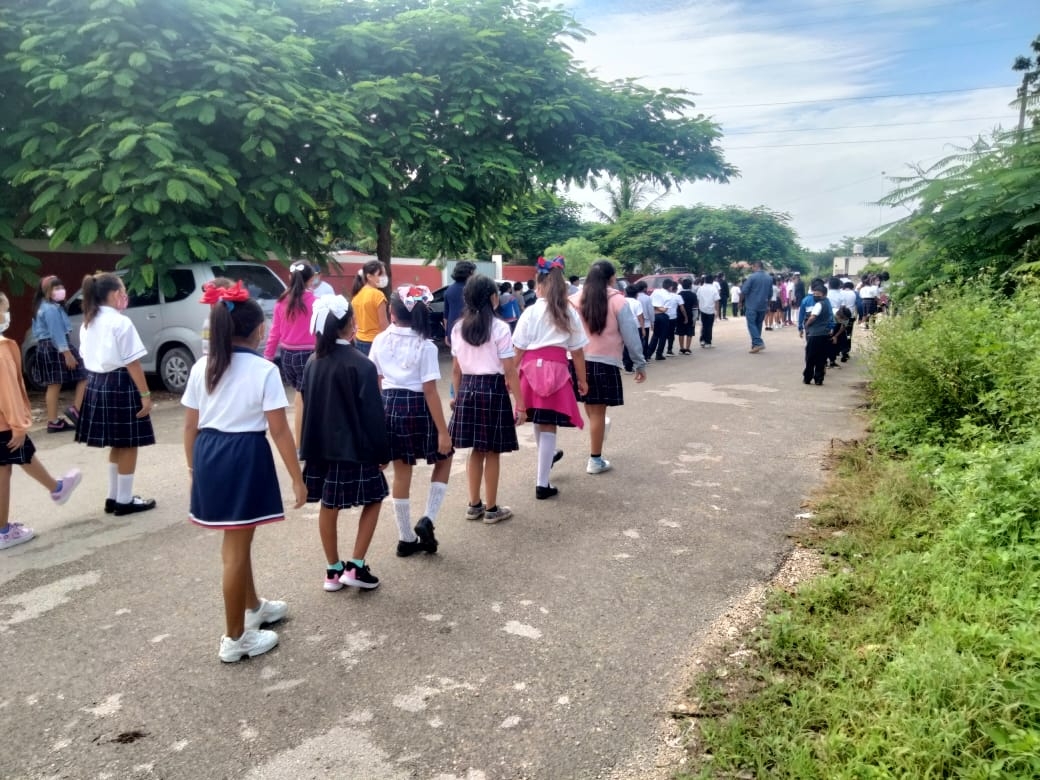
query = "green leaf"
{"x": 61, "y": 234}
{"x": 176, "y": 190}
{"x": 207, "y": 114}
{"x": 58, "y": 81}
{"x": 88, "y": 232}
{"x": 185, "y": 100}
{"x": 124, "y": 78}
{"x": 116, "y": 224}
{"x": 159, "y": 149}
{"x": 46, "y": 197}
{"x": 125, "y": 146}
{"x": 111, "y": 181}
{"x": 138, "y": 60}
{"x": 267, "y": 148}
{"x": 180, "y": 251}
{"x": 198, "y": 248}
{"x": 282, "y": 203}
{"x": 256, "y": 115}
{"x": 30, "y": 147}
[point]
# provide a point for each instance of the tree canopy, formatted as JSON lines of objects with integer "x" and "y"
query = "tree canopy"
{"x": 204, "y": 129}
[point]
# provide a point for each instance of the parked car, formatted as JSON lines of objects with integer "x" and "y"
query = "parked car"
{"x": 171, "y": 325}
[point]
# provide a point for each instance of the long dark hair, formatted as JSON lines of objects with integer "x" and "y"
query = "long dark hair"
{"x": 360, "y": 279}
{"x": 418, "y": 319}
{"x": 325, "y": 342}
{"x": 300, "y": 274}
{"x": 478, "y": 312}
{"x": 554, "y": 293}
{"x": 228, "y": 321}
{"x": 594, "y": 308}
{"x": 96, "y": 288}
{"x": 43, "y": 293}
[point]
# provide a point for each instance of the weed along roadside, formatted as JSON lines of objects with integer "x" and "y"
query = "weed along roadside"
{"x": 914, "y": 653}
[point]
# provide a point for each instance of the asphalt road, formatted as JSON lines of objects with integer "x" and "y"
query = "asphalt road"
{"x": 542, "y": 647}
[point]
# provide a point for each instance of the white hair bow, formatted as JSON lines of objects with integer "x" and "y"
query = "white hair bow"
{"x": 336, "y": 305}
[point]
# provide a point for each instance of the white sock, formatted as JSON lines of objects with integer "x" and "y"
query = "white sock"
{"x": 113, "y": 484}
{"x": 124, "y": 488}
{"x": 433, "y": 502}
{"x": 546, "y": 451}
{"x": 403, "y": 514}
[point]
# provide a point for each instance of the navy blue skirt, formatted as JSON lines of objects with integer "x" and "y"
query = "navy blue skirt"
{"x": 20, "y": 457}
{"x": 604, "y": 384}
{"x": 234, "y": 483}
{"x": 410, "y": 426}
{"x": 50, "y": 366}
{"x": 293, "y": 362}
{"x": 341, "y": 485}
{"x": 108, "y": 417}
{"x": 483, "y": 416}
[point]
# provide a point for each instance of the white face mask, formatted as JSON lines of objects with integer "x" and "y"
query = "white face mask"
{"x": 382, "y": 282}
{"x": 58, "y": 295}
{"x": 5, "y": 321}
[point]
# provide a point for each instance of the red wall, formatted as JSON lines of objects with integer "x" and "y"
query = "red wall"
{"x": 518, "y": 273}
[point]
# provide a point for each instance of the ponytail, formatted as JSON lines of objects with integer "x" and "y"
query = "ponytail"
{"x": 360, "y": 279}
{"x": 594, "y": 296}
{"x": 554, "y": 293}
{"x": 228, "y": 321}
{"x": 325, "y": 341}
{"x": 96, "y": 289}
{"x": 301, "y": 274}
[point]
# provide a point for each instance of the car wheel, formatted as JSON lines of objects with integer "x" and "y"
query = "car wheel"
{"x": 29, "y": 371}
{"x": 174, "y": 368}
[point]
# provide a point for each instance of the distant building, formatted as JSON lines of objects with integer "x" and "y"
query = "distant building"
{"x": 853, "y": 265}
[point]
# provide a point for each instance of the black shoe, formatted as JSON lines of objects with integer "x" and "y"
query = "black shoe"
{"x": 844, "y": 358}
{"x": 404, "y": 549}
{"x": 671, "y": 353}
{"x": 557, "y": 457}
{"x": 819, "y": 381}
{"x": 110, "y": 506}
{"x": 134, "y": 505}
{"x": 807, "y": 381}
{"x": 660, "y": 357}
{"x": 424, "y": 530}
{"x": 544, "y": 492}
{"x": 832, "y": 364}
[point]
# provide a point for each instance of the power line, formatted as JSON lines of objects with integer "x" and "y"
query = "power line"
{"x": 861, "y": 97}
{"x": 840, "y": 143}
{"x": 861, "y": 127}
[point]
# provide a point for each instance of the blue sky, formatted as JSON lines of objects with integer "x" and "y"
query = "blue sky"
{"x": 817, "y": 99}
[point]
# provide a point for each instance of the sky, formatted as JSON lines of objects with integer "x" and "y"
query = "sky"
{"x": 820, "y": 103}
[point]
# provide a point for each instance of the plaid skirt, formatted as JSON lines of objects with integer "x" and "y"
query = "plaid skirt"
{"x": 604, "y": 384}
{"x": 234, "y": 483}
{"x": 483, "y": 416}
{"x": 292, "y": 363}
{"x": 341, "y": 485}
{"x": 20, "y": 457}
{"x": 50, "y": 368}
{"x": 410, "y": 426}
{"x": 108, "y": 417}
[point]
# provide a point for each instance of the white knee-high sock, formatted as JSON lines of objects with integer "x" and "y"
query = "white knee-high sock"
{"x": 113, "y": 481}
{"x": 403, "y": 515}
{"x": 125, "y": 488}
{"x": 546, "y": 450}
{"x": 433, "y": 502}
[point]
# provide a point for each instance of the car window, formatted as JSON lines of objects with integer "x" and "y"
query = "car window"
{"x": 260, "y": 280}
{"x": 183, "y": 282}
{"x": 148, "y": 297}
{"x": 74, "y": 307}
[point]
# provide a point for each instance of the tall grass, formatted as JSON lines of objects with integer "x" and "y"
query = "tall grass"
{"x": 918, "y": 654}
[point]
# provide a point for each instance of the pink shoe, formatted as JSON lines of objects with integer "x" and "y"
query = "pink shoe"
{"x": 15, "y": 534}
{"x": 66, "y": 485}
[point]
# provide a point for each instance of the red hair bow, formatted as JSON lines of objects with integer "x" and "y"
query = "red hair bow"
{"x": 212, "y": 294}
{"x": 545, "y": 266}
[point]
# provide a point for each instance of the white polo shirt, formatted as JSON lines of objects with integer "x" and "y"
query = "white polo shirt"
{"x": 110, "y": 343}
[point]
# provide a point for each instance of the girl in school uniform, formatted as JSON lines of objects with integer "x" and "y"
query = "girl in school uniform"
{"x": 290, "y": 332}
{"x": 543, "y": 336}
{"x": 117, "y": 402}
{"x": 233, "y": 397}
{"x": 344, "y": 443}
{"x": 369, "y": 304}
{"x": 406, "y": 361}
{"x": 57, "y": 359}
{"x": 611, "y": 328}
{"x": 484, "y": 374}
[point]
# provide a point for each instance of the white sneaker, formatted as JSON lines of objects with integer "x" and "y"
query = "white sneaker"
{"x": 253, "y": 642}
{"x": 16, "y": 534}
{"x": 597, "y": 466}
{"x": 267, "y": 612}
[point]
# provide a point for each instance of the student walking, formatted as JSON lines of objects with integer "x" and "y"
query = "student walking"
{"x": 708, "y": 303}
{"x": 368, "y": 304}
{"x": 484, "y": 375}
{"x": 233, "y": 397}
{"x": 815, "y": 323}
{"x": 117, "y": 402}
{"x": 543, "y": 336}
{"x": 632, "y": 301}
{"x": 611, "y": 329}
{"x": 16, "y": 448}
{"x": 686, "y": 328}
{"x": 345, "y": 445}
{"x": 290, "y": 333}
{"x": 57, "y": 359}
{"x": 408, "y": 368}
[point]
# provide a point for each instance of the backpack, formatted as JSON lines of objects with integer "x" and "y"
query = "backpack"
{"x": 509, "y": 311}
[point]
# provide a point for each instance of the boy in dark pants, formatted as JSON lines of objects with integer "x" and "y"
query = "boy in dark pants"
{"x": 815, "y": 322}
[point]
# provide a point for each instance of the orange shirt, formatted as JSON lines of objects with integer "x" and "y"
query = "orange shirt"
{"x": 366, "y": 312}
{"x": 15, "y": 413}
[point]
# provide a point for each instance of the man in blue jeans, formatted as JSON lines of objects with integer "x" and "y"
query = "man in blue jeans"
{"x": 755, "y": 293}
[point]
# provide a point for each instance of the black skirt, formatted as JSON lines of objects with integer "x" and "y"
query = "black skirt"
{"x": 20, "y": 457}
{"x": 50, "y": 365}
{"x": 410, "y": 427}
{"x": 108, "y": 417}
{"x": 483, "y": 416}
{"x": 293, "y": 362}
{"x": 341, "y": 485}
{"x": 604, "y": 384}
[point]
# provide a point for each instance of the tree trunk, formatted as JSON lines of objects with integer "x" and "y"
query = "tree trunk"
{"x": 383, "y": 245}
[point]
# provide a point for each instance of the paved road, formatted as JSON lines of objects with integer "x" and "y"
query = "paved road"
{"x": 543, "y": 647}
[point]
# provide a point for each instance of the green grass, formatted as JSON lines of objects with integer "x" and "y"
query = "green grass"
{"x": 918, "y": 653}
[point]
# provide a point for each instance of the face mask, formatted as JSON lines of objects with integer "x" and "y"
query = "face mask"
{"x": 122, "y": 301}
{"x": 5, "y": 321}
{"x": 382, "y": 282}
{"x": 58, "y": 295}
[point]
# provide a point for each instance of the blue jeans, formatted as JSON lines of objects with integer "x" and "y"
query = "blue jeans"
{"x": 755, "y": 320}
{"x": 364, "y": 347}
